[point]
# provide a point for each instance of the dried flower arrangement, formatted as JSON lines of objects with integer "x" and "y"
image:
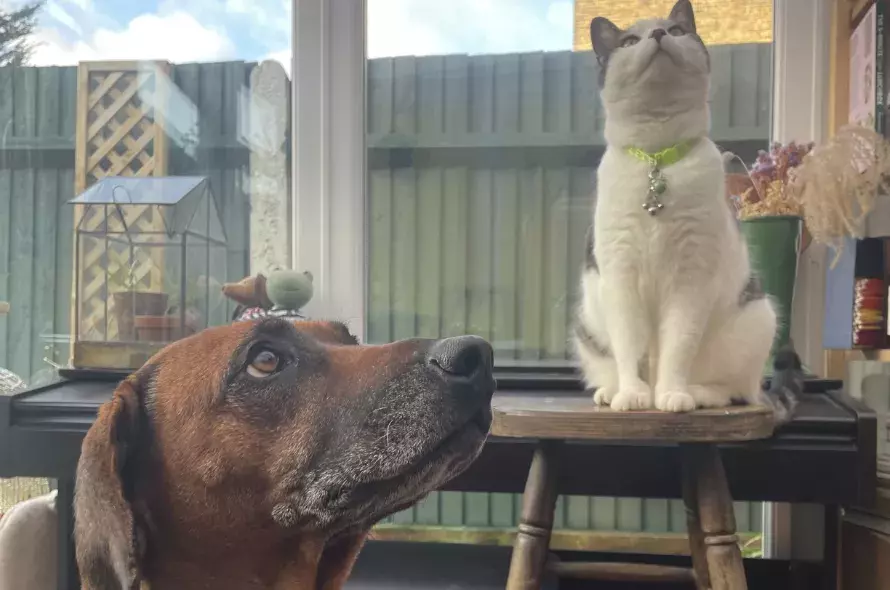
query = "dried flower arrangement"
{"x": 837, "y": 183}
{"x": 762, "y": 192}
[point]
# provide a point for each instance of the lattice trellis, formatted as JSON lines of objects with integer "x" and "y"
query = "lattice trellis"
{"x": 120, "y": 132}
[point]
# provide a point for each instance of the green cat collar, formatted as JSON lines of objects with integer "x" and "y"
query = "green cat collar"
{"x": 664, "y": 158}
{"x": 657, "y": 161}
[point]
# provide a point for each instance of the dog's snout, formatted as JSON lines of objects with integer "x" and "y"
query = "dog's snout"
{"x": 462, "y": 356}
{"x": 657, "y": 34}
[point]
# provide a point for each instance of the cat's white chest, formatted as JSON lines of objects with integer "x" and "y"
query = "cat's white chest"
{"x": 686, "y": 236}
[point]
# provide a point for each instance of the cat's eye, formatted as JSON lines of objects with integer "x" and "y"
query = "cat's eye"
{"x": 630, "y": 40}
{"x": 676, "y": 31}
{"x": 264, "y": 363}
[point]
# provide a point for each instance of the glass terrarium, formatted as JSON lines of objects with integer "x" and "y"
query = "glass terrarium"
{"x": 150, "y": 260}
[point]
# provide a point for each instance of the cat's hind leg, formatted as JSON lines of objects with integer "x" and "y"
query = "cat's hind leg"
{"x": 597, "y": 366}
{"x": 732, "y": 358}
{"x": 591, "y": 342}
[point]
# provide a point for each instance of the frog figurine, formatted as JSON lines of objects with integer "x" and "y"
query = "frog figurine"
{"x": 281, "y": 294}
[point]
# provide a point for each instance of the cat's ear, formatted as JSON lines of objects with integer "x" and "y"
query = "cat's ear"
{"x": 682, "y": 14}
{"x": 604, "y": 35}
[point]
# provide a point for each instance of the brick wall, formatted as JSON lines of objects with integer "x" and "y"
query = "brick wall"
{"x": 718, "y": 21}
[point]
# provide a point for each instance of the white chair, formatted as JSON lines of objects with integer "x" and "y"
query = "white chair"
{"x": 15, "y": 490}
{"x": 28, "y": 547}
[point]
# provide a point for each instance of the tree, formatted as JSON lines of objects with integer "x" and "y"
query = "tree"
{"x": 16, "y": 27}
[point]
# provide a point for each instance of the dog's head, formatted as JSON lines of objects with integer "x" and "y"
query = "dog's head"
{"x": 251, "y": 438}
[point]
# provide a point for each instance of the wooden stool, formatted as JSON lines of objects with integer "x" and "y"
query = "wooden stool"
{"x": 716, "y": 556}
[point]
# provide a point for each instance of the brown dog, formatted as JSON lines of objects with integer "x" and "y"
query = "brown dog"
{"x": 258, "y": 455}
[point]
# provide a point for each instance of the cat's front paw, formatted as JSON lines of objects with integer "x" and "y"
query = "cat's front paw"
{"x": 674, "y": 401}
{"x": 603, "y": 396}
{"x": 638, "y": 398}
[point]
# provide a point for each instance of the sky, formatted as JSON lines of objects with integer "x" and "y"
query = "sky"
{"x": 183, "y": 31}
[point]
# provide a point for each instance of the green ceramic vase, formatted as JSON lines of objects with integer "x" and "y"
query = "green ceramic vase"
{"x": 774, "y": 246}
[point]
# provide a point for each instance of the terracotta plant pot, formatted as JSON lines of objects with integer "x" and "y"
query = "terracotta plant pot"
{"x": 158, "y": 328}
{"x": 126, "y": 305}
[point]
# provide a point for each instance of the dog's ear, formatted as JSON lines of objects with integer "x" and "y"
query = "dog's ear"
{"x": 108, "y": 540}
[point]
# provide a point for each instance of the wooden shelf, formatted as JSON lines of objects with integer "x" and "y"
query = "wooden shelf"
{"x": 843, "y": 13}
{"x": 839, "y": 66}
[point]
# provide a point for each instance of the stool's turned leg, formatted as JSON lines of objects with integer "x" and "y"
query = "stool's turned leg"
{"x": 693, "y": 528}
{"x": 721, "y": 544}
{"x": 529, "y": 561}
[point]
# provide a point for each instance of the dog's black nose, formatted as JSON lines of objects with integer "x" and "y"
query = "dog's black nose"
{"x": 462, "y": 356}
{"x": 657, "y": 34}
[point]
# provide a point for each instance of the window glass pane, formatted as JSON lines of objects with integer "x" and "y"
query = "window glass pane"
{"x": 484, "y": 131}
{"x": 193, "y": 92}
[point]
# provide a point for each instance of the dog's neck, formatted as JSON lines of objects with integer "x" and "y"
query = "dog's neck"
{"x": 297, "y": 571}
{"x": 308, "y": 563}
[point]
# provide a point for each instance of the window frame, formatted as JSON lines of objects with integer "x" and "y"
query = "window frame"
{"x": 329, "y": 171}
{"x": 328, "y": 161}
{"x": 801, "y": 62}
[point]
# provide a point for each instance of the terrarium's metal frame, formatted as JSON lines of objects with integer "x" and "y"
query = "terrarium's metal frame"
{"x": 139, "y": 351}
{"x": 178, "y": 243}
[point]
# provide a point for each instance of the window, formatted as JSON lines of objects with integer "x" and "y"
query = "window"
{"x": 146, "y": 88}
{"x": 484, "y": 131}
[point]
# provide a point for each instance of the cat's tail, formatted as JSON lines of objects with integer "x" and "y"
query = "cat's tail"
{"x": 786, "y": 385}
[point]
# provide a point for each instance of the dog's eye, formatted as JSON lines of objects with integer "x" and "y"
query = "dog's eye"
{"x": 676, "y": 31}
{"x": 264, "y": 363}
{"x": 630, "y": 40}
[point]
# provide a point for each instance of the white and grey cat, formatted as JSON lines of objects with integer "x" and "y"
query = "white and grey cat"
{"x": 671, "y": 315}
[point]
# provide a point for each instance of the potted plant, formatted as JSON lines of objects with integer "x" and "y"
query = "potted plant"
{"x": 127, "y": 301}
{"x": 838, "y": 185}
{"x": 157, "y": 328}
{"x": 771, "y": 220}
{"x": 797, "y": 193}
{"x": 200, "y": 293}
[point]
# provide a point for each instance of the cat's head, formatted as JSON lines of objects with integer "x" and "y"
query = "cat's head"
{"x": 657, "y": 64}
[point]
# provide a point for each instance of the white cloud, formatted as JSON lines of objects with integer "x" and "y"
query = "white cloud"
{"x": 238, "y": 6}
{"x": 395, "y": 27}
{"x": 283, "y": 57}
{"x": 176, "y": 36}
{"x": 84, "y": 5}
{"x": 262, "y": 18}
{"x": 262, "y": 28}
{"x": 57, "y": 12}
{"x": 421, "y": 27}
{"x": 561, "y": 14}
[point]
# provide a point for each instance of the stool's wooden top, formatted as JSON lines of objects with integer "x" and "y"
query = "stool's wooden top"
{"x": 575, "y": 416}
